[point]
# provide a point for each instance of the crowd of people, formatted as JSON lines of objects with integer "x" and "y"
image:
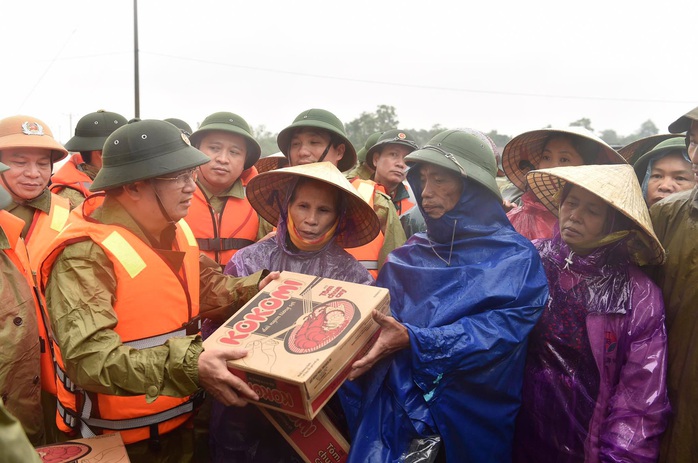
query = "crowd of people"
{"x": 540, "y": 294}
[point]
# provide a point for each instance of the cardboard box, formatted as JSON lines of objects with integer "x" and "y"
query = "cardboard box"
{"x": 302, "y": 334}
{"x": 317, "y": 440}
{"x": 108, "y": 447}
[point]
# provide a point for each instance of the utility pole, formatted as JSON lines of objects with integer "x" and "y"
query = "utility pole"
{"x": 135, "y": 60}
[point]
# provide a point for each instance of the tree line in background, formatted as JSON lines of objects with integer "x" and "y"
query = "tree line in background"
{"x": 385, "y": 118}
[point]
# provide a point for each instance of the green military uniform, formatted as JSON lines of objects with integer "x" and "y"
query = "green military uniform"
{"x": 675, "y": 220}
{"x": 20, "y": 385}
{"x": 74, "y": 196}
{"x": 26, "y": 210}
{"x": 14, "y": 445}
{"x": 361, "y": 171}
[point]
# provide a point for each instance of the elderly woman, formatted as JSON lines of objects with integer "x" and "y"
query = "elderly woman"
{"x": 542, "y": 149}
{"x": 594, "y": 384}
{"x": 464, "y": 296}
{"x": 317, "y": 214}
{"x": 664, "y": 170}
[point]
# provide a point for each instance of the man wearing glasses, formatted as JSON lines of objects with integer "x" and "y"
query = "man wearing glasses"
{"x": 125, "y": 287}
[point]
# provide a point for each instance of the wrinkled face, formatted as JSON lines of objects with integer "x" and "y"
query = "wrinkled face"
{"x": 559, "y": 152}
{"x": 441, "y": 189}
{"x": 227, "y": 152}
{"x": 313, "y": 209}
{"x": 670, "y": 174}
{"x": 29, "y": 174}
{"x": 175, "y": 192}
{"x": 582, "y": 219}
{"x": 307, "y": 146}
{"x": 693, "y": 146}
{"x": 390, "y": 165}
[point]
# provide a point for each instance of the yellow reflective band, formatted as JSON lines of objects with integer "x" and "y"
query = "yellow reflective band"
{"x": 191, "y": 239}
{"x": 59, "y": 216}
{"x": 124, "y": 252}
{"x": 366, "y": 192}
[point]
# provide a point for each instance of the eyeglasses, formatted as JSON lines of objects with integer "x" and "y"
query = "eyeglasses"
{"x": 183, "y": 178}
{"x": 448, "y": 156}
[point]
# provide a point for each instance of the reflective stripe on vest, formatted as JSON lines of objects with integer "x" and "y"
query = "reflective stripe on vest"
{"x": 367, "y": 254}
{"x": 220, "y": 236}
{"x": 141, "y": 273}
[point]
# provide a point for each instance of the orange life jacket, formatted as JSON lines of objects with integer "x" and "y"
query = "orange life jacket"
{"x": 70, "y": 176}
{"x": 18, "y": 254}
{"x": 45, "y": 227}
{"x": 367, "y": 254}
{"x": 220, "y": 236}
{"x": 153, "y": 303}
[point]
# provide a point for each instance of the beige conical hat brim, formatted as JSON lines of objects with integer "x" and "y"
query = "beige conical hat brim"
{"x": 634, "y": 150}
{"x": 528, "y": 148}
{"x": 271, "y": 162}
{"x": 617, "y": 185}
{"x": 267, "y": 192}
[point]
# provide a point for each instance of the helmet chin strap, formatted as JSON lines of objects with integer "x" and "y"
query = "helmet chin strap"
{"x": 324, "y": 153}
{"x": 161, "y": 206}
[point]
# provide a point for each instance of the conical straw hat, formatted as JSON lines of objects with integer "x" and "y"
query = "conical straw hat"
{"x": 617, "y": 185}
{"x": 632, "y": 151}
{"x": 524, "y": 151}
{"x": 268, "y": 191}
{"x": 271, "y": 162}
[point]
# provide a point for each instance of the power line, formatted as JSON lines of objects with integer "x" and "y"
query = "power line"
{"x": 424, "y": 87}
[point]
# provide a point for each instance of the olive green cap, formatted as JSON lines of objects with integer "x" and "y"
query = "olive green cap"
{"x": 370, "y": 141}
{"x": 93, "y": 129}
{"x": 677, "y": 144}
{"x": 463, "y": 152}
{"x": 394, "y": 136}
{"x": 320, "y": 119}
{"x": 683, "y": 123}
{"x": 5, "y": 198}
{"x": 229, "y": 122}
{"x": 181, "y": 125}
{"x": 145, "y": 149}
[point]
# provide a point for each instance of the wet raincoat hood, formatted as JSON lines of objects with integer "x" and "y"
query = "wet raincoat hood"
{"x": 467, "y": 321}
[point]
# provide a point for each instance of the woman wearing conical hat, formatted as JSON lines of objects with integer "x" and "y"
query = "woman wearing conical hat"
{"x": 595, "y": 377}
{"x": 317, "y": 214}
{"x": 544, "y": 149}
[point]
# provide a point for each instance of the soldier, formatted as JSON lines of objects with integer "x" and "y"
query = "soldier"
{"x": 74, "y": 178}
{"x": 125, "y": 287}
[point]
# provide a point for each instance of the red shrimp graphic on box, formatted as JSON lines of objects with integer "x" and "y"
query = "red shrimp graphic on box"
{"x": 301, "y": 332}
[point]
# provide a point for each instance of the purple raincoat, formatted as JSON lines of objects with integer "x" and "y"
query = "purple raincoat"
{"x": 595, "y": 379}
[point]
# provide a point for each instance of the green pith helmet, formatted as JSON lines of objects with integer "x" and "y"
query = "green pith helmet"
{"x": 320, "y": 119}
{"x": 145, "y": 149}
{"x": 394, "y": 136}
{"x": 93, "y": 129}
{"x": 370, "y": 141}
{"x": 181, "y": 125}
{"x": 683, "y": 123}
{"x": 229, "y": 122}
{"x": 5, "y": 198}
{"x": 676, "y": 144}
{"x": 464, "y": 153}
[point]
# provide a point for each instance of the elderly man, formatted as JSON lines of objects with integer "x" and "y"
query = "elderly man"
{"x": 675, "y": 220}
{"x": 125, "y": 286}
{"x": 464, "y": 297}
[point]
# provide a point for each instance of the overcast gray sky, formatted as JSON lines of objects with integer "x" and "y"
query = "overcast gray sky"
{"x": 507, "y": 65}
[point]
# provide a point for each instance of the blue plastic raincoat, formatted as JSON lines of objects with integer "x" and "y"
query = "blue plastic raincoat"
{"x": 469, "y": 292}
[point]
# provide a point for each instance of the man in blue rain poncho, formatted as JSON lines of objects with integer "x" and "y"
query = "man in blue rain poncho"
{"x": 464, "y": 296}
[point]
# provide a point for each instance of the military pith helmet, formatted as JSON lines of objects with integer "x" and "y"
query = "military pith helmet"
{"x": 180, "y": 124}
{"x": 145, "y": 149}
{"x": 464, "y": 153}
{"x": 29, "y": 132}
{"x": 370, "y": 141}
{"x": 394, "y": 136}
{"x": 683, "y": 123}
{"x": 675, "y": 144}
{"x": 5, "y": 198}
{"x": 229, "y": 122}
{"x": 93, "y": 129}
{"x": 320, "y": 119}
